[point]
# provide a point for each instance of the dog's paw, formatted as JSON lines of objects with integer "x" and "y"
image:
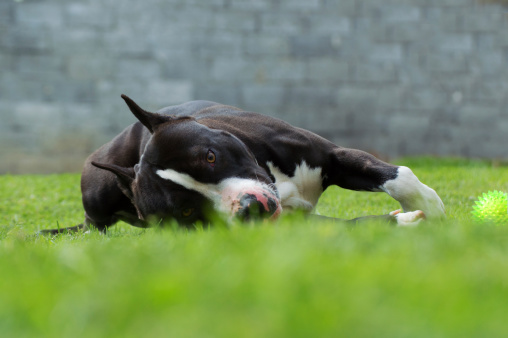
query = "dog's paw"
{"x": 414, "y": 195}
{"x": 411, "y": 218}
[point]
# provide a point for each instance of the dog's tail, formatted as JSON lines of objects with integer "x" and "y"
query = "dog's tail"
{"x": 76, "y": 228}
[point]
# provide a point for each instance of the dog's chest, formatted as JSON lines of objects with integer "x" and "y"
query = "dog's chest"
{"x": 300, "y": 191}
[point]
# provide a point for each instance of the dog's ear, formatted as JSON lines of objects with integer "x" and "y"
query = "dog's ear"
{"x": 124, "y": 175}
{"x": 149, "y": 120}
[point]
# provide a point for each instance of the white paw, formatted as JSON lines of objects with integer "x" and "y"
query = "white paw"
{"x": 411, "y": 218}
{"x": 414, "y": 195}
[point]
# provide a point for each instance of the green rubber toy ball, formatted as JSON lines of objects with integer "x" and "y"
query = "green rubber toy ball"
{"x": 492, "y": 208}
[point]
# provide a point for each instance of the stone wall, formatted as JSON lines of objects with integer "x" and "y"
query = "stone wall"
{"x": 392, "y": 77}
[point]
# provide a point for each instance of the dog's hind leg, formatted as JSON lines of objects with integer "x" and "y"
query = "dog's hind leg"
{"x": 357, "y": 170}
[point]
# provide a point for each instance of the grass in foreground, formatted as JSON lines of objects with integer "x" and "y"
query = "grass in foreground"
{"x": 293, "y": 278}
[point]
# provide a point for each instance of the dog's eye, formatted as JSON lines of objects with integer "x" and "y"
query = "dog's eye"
{"x": 210, "y": 157}
{"x": 187, "y": 212}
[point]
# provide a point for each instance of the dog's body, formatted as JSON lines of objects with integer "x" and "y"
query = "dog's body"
{"x": 185, "y": 160}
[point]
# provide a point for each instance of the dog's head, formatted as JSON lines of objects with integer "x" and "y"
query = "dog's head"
{"x": 188, "y": 170}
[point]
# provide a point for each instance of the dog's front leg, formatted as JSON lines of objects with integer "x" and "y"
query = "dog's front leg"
{"x": 357, "y": 170}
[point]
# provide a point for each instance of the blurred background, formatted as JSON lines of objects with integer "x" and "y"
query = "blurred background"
{"x": 392, "y": 77}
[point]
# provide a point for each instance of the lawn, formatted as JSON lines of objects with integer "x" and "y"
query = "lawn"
{"x": 292, "y": 278}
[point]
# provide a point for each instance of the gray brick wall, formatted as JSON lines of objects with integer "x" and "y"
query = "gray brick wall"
{"x": 393, "y": 77}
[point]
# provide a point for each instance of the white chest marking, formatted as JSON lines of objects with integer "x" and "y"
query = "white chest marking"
{"x": 301, "y": 191}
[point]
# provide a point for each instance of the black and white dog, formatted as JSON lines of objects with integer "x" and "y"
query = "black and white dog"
{"x": 184, "y": 161}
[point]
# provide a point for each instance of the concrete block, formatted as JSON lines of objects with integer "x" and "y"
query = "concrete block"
{"x": 413, "y": 73}
{"x": 82, "y": 14}
{"x": 9, "y": 121}
{"x": 77, "y": 41}
{"x": 224, "y": 93}
{"x": 83, "y": 116}
{"x": 346, "y": 8}
{"x": 400, "y": 13}
{"x": 123, "y": 43}
{"x": 479, "y": 117}
{"x": 39, "y": 118}
{"x": 493, "y": 91}
{"x": 301, "y": 6}
{"x": 239, "y": 69}
{"x": 352, "y": 99}
{"x": 350, "y": 48}
{"x": 485, "y": 41}
{"x": 330, "y": 121}
{"x": 410, "y": 130}
{"x": 74, "y": 91}
{"x": 327, "y": 69}
{"x": 37, "y": 65}
{"x": 311, "y": 45}
{"x": 320, "y": 24}
{"x": 482, "y": 19}
{"x": 24, "y": 39}
{"x": 481, "y": 144}
{"x": 294, "y": 115}
{"x": 214, "y": 45}
{"x": 281, "y": 23}
{"x": 386, "y": 53}
{"x": 79, "y": 67}
{"x": 250, "y": 5}
{"x": 183, "y": 67}
{"x": 375, "y": 73}
{"x": 7, "y": 14}
{"x": 311, "y": 96}
{"x": 372, "y": 98}
{"x": 265, "y": 96}
{"x": 389, "y": 98}
{"x": 450, "y": 19}
{"x": 18, "y": 87}
{"x": 234, "y": 21}
{"x": 489, "y": 63}
{"x": 426, "y": 98}
{"x": 462, "y": 43}
{"x": 446, "y": 118}
{"x": 367, "y": 120}
{"x": 408, "y": 32}
{"x": 265, "y": 44}
{"x": 136, "y": 69}
{"x": 452, "y": 3}
{"x": 279, "y": 70}
{"x": 216, "y": 4}
{"x": 501, "y": 38}
{"x": 39, "y": 14}
{"x": 447, "y": 63}
{"x": 164, "y": 93}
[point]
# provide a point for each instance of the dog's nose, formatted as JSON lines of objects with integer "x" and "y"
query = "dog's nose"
{"x": 252, "y": 207}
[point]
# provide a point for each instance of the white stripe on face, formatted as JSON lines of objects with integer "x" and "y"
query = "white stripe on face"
{"x": 226, "y": 194}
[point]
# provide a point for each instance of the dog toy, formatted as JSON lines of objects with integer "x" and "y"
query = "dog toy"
{"x": 492, "y": 208}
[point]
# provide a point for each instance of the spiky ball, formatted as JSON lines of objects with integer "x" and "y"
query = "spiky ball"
{"x": 492, "y": 208}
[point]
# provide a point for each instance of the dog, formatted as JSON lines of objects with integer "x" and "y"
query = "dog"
{"x": 185, "y": 161}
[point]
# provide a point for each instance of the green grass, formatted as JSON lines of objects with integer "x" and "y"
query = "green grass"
{"x": 294, "y": 278}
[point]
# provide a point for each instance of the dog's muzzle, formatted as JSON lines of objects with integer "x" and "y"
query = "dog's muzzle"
{"x": 253, "y": 206}
{"x": 248, "y": 199}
